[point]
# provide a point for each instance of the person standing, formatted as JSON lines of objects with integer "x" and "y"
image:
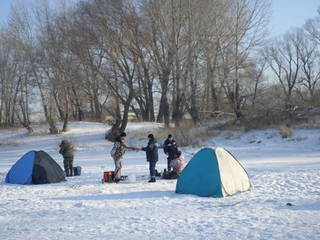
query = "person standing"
{"x": 170, "y": 149}
{"x": 152, "y": 156}
{"x": 66, "y": 150}
{"x": 117, "y": 153}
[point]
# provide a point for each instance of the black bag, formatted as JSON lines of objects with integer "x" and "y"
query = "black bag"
{"x": 170, "y": 175}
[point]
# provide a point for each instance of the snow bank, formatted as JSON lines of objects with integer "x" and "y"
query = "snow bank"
{"x": 281, "y": 170}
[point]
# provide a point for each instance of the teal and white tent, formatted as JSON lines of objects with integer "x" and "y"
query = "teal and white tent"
{"x": 213, "y": 172}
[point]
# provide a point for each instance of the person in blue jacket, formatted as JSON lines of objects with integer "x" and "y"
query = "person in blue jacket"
{"x": 152, "y": 156}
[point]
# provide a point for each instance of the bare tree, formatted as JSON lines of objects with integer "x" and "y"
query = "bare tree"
{"x": 114, "y": 32}
{"x": 248, "y": 22}
{"x": 310, "y": 63}
{"x": 312, "y": 26}
{"x": 284, "y": 61}
{"x": 16, "y": 70}
{"x": 257, "y": 74}
{"x": 161, "y": 41}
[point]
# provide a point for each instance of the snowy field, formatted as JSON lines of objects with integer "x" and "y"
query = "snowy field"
{"x": 281, "y": 170}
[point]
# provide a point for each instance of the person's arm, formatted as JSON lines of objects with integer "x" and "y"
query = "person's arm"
{"x": 62, "y": 149}
{"x": 174, "y": 144}
{"x": 149, "y": 147}
{"x": 145, "y": 148}
{"x": 129, "y": 147}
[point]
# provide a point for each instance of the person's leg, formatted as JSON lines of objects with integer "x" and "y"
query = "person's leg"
{"x": 168, "y": 164}
{"x": 152, "y": 168}
{"x": 117, "y": 171}
{"x": 71, "y": 165}
{"x": 66, "y": 167}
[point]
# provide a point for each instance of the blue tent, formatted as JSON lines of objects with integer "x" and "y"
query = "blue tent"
{"x": 213, "y": 172}
{"x": 35, "y": 167}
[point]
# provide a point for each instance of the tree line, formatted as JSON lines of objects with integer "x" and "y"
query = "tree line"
{"x": 160, "y": 59}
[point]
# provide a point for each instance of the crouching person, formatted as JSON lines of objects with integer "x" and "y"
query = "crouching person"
{"x": 178, "y": 164}
{"x": 152, "y": 156}
{"x": 67, "y": 151}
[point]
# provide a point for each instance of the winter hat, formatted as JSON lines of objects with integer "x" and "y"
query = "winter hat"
{"x": 179, "y": 153}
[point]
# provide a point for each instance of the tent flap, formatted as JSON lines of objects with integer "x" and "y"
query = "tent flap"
{"x": 21, "y": 171}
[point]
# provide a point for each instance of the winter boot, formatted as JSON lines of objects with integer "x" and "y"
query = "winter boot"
{"x": 153, "y": 179}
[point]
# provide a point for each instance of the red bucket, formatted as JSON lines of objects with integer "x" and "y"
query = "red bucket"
{"x": 108, "y": 176}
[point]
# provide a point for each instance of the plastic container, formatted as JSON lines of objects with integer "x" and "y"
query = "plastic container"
{"x": 77, "y": 171}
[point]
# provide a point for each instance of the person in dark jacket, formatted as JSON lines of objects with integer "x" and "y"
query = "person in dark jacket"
{"x": 152, "y": 156}
{"x": 66, "y": 150}
{"x": 170, "y": 149}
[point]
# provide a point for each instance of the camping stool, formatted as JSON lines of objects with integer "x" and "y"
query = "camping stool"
{"x": 108, "y": 176}
{"x": 77, "y": 171}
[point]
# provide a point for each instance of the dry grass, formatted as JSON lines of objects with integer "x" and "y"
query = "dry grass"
{"x": 313, "y": 122}
{"x": 300, "y": 138}
{"x": 285, "y": 131}
{"x": 187, "y": 134}
{"x": 272, "y": 135}
{"x": 183, "y": 137}
{"x": 205, "y": 133}
{"x": 11, "y": 143}
{"x": 228, "y": 134}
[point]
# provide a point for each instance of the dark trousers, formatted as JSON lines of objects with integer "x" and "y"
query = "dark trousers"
{"x": 152, "y": 169}
{"x": 168, "y": 163}
{"x": 68, "y": 166}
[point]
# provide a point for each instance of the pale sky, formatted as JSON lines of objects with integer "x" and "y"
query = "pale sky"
{"x": 286, "y": 14}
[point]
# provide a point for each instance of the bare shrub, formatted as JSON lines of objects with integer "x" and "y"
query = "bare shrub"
{"x": 228, "y": 134}
{"x": 160, "y": 133}
{"x": 300, "y": 138}
{"x": 11, "y": 143}
{"x": 185, "y": 138}
{"x": 285, "y": 131}
{"x": 312, "y": 122}
{"x": 187, "y": 124}
{"x": 186, "y": 135}
{"x": 272, "y": 135}
{"x": 205, "y": 133}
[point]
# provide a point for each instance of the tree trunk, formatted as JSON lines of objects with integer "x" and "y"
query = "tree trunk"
{"x": 60, "y": 111}
{"x": 65, "y": 122}
{"x": 52, "y": 125}
{"x": 164, "y": 111}
{"x": 115, "y": 129}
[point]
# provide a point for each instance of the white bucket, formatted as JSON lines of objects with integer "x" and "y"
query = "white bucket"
{"x": 132, "y": 178}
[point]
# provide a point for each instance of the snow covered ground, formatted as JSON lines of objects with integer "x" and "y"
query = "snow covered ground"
{"x": 281, "y": 170}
